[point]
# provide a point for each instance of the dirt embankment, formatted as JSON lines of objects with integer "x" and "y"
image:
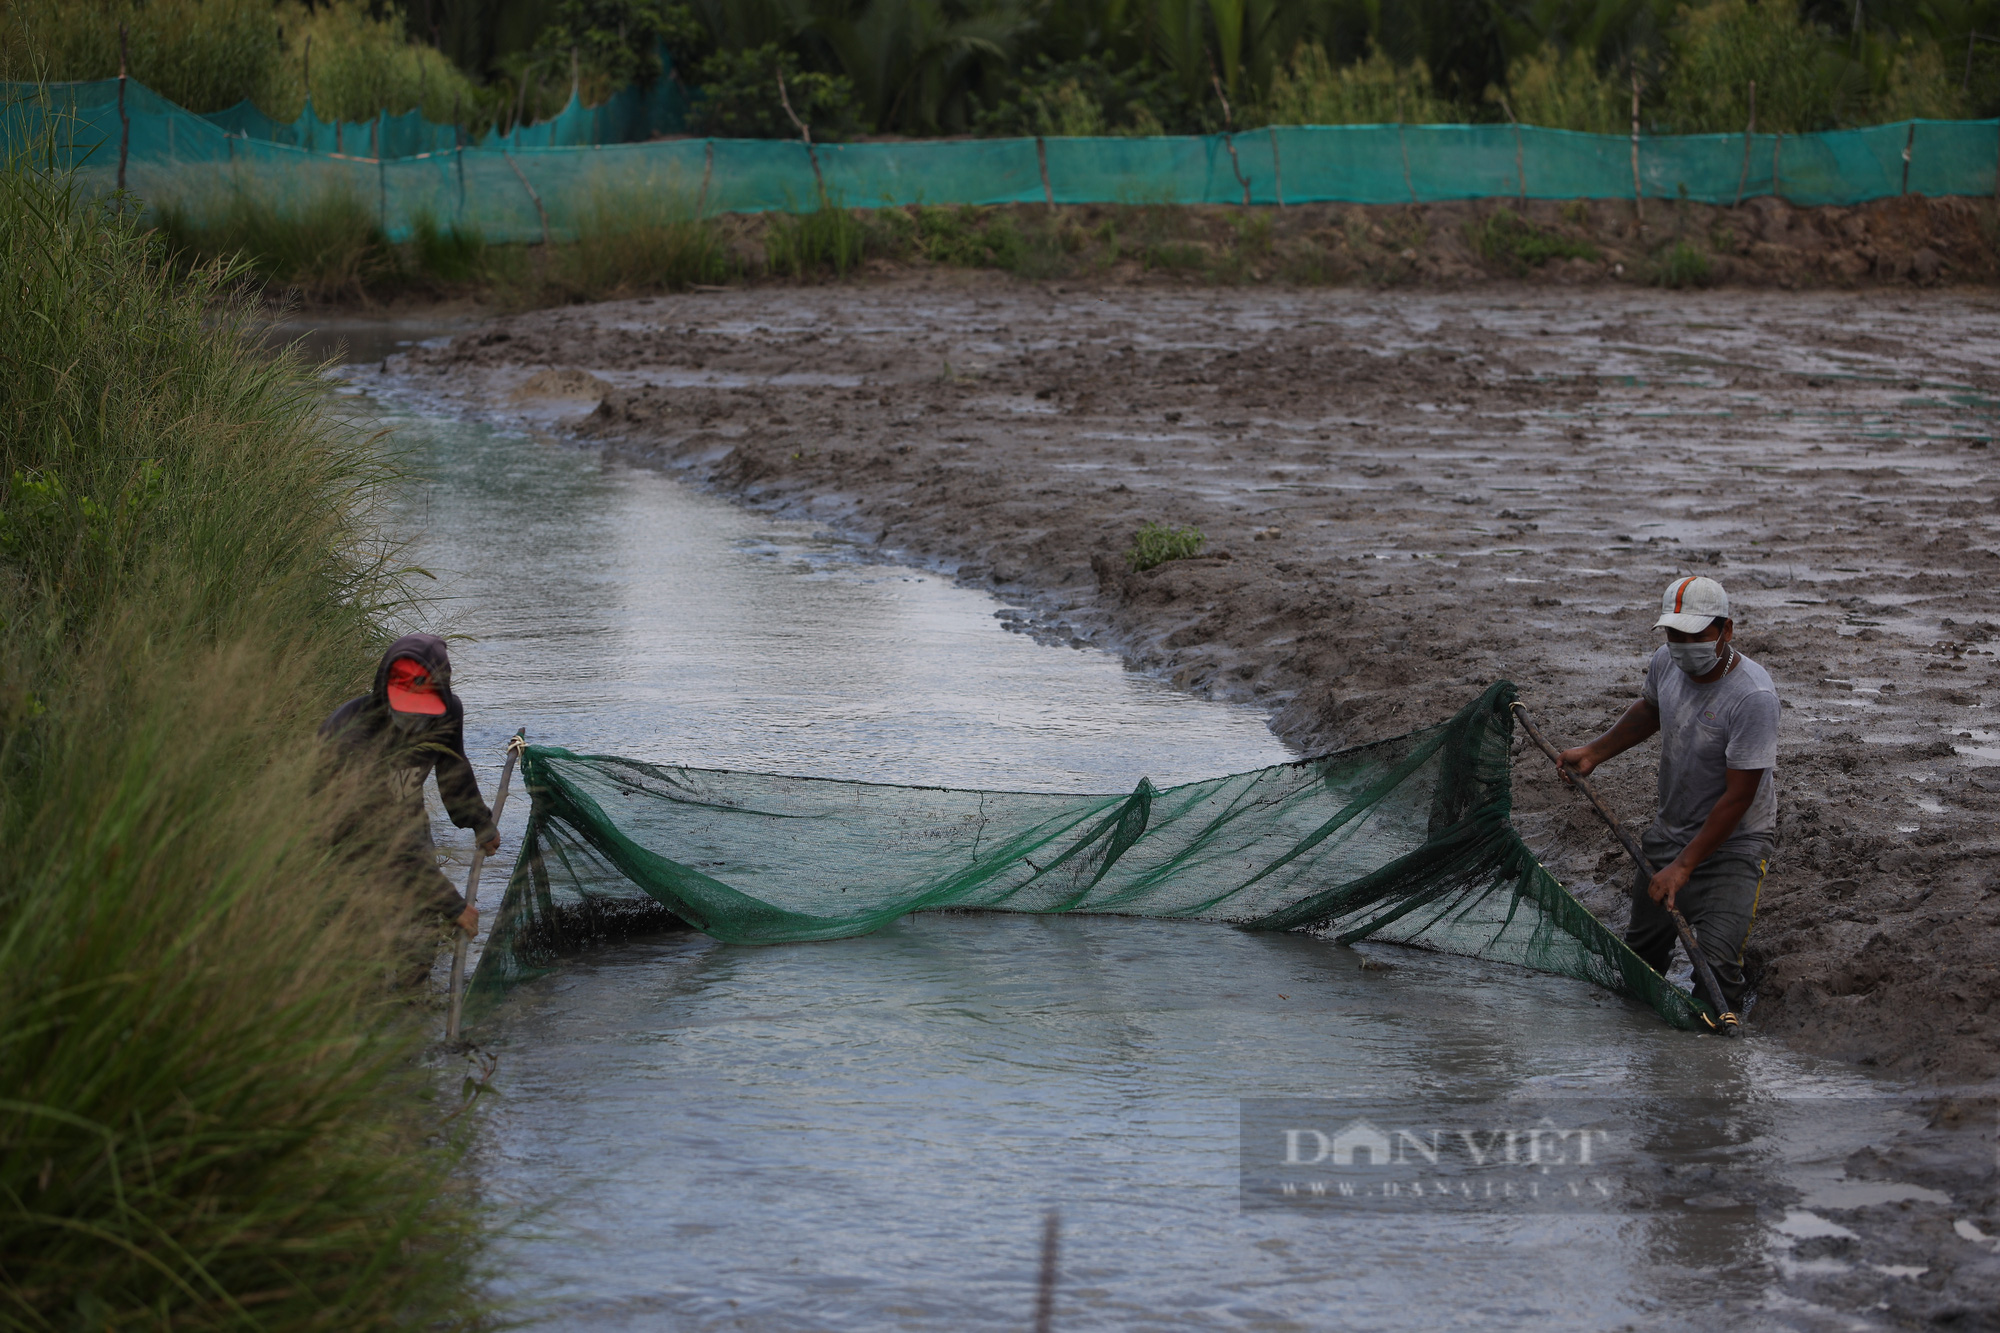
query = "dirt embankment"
{"x": 1763, "y": 242}
{"x": 1406, "y": 496}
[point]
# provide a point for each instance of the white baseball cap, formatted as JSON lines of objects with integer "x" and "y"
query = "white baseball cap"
{"x": 1690, "y": 602}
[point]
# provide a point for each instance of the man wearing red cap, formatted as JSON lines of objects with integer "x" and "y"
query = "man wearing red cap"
{"x": 1716, "y": 713}
{"x": 408, "y": 727}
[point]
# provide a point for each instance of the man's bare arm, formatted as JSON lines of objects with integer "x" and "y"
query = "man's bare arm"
{"x": 1641, "y": 722}
{"x": 1739, "y": 790}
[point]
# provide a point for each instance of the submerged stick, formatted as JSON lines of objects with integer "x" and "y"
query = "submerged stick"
{"x": 1703, "y": 971}
{"x": 514, "y": 748}
{"x": 1045, "y": 1287}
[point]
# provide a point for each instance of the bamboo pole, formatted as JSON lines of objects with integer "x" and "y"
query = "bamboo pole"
{"x": 1749, "y": 133}
{"x": 1277, "y": 166}
{"x": 1909, "y": 142}
{"x": 531, "y": 194}
{"x": 124, "y": 121}
{"x": 1520, "y": 165}
{"x": 1638, "y": 194}
{"x": 1229, "y": 136}
{"x": 1706, "y": 974}
{"x": 514, "y": 748}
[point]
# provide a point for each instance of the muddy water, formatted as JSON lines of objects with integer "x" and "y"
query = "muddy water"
{"x": 866, "y": 1134}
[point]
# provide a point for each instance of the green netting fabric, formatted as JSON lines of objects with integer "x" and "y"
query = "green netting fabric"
{"x": 1406, "y": 840}
{"x": 529, "y": 185}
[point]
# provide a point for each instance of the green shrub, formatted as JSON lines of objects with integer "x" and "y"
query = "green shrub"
{"x": 1175, "y": 256}
{"x": 362, "y": 64}
{"x": 615, "y": 43}
{"x": 1156, "y": 543}
{"x": 1086, "y": 97}
{"x": 1565, "y": 91}
{"x": 970, "y": 237}
{"x": 1803, "y": 83}
{"x": 1312, "y": 90}
{"x": 1507, "y": 239}
{"x": 213, "y": 1116}
{"x": 1683, "y": 265}
{"x": 738, "y": 98}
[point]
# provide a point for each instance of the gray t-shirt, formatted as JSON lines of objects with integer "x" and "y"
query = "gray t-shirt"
{"x": 1705, "y": 730}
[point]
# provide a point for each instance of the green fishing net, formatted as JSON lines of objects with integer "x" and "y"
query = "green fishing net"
{"x": 1405, "y": 840}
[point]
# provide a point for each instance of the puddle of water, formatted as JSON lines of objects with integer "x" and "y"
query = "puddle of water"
{"x": 1985, "y": 746}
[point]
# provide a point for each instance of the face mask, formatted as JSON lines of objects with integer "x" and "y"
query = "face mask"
{"x": 1697, "y": 659}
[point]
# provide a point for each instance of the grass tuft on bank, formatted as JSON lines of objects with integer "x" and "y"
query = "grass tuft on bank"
{"x": 212, "y": 1116}
{"x": 1154, "y": 544}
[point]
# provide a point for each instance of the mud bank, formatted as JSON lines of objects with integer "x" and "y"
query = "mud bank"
{"x": 1405, "y": 497}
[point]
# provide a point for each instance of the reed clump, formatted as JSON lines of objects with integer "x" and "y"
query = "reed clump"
{"x": 640, "y": 238}
{"x": 212, "y": 1114}
{"x": 318, "y": 237}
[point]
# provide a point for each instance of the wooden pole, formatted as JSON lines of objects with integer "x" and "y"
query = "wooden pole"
{"x": 1638, "y": 195}
{"x": 806, "y": 135}
{"x": 514, "y": 748}
{"x": 1403, "y": 146}
{"x": 1277, "y": 166}
{"x": 1909, "y": 142}
{"x": 1705, "y": 973}
{"x": 1229, "y": 135}
{"x": 1042, "y": 160}
{"x": 124, "y": 121}
{"x": 1520, "y": 165}
{"x": 531, "y": 194}
{"x": 1749, "y": 132}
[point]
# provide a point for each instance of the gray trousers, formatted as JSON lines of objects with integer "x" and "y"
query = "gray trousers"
{"x": 1719, "y": 902}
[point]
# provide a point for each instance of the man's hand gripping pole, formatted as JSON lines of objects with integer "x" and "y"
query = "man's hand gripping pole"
{"x": 1727, "y": 1021}
{"x": 514, "y": 748}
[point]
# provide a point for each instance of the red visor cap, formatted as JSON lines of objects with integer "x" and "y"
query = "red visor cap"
{"x": 411, "y": 689}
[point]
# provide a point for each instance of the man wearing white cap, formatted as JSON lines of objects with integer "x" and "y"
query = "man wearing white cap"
{"x": 1716, "y": 713}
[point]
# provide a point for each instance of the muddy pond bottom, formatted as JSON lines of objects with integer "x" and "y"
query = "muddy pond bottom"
{"x": 867, "y": 1134}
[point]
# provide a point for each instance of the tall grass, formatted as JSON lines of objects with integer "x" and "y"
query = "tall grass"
{"x": 203, "y": 54}
{"x": 830, "y": 239}
{"x": 317, "y": 236}
{"x": 209, "y": 1114}
{"x": 637, "y": 238}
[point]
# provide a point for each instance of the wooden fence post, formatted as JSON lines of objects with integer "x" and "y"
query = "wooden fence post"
{"x": 1749, "y": 132}
{"x": 1638, "y": 194}
{"x": 124, "y": 121}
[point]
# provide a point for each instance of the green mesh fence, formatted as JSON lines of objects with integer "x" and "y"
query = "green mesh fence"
{"x": 530, "y": 186}
{"x": 1405, "y": 840}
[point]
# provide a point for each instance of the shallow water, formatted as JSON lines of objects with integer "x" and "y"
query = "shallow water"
{"x": 866, "y": 1134}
